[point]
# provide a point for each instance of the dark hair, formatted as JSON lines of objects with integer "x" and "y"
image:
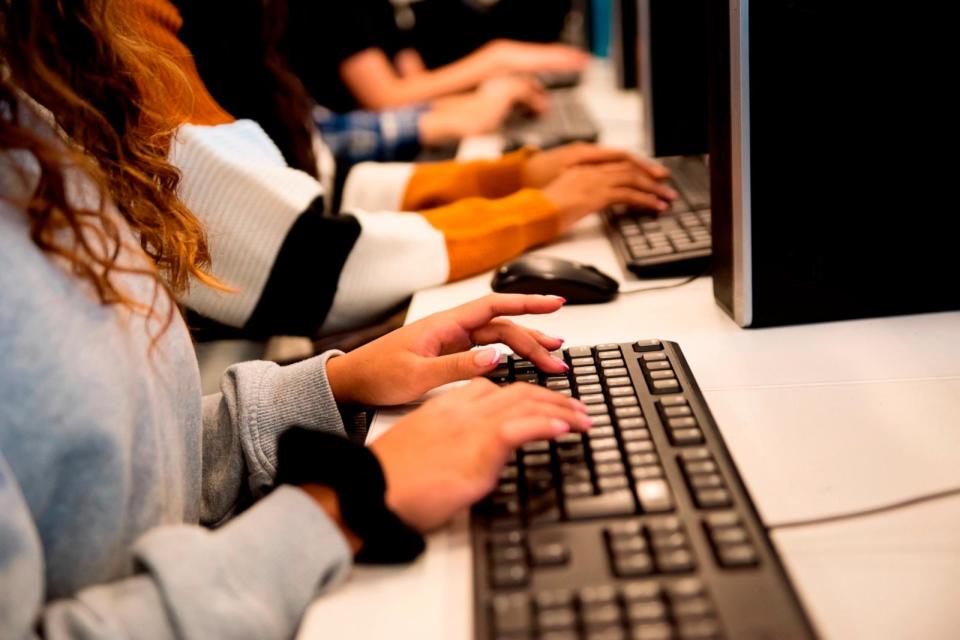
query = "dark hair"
{"x": 242, "y": 67}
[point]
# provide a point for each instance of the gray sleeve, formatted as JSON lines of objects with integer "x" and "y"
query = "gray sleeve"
{"x": 251, "y": 579}
{"x": 241, "y": 425}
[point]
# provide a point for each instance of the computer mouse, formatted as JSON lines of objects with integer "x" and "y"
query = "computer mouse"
{"x": 578, "y": 283}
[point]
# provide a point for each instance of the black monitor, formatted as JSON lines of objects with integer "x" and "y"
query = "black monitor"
{"x": 832, "y": 161}
{"x": 672, "y": 53}
{"x": 623, "y": 43}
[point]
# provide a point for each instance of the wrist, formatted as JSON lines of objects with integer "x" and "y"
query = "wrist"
{"x": 327, "y": 500}
{"x": 340, "y": 379}
{"x": 435, "y": 128}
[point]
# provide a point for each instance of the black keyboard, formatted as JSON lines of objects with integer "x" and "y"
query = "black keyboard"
{"x": 567, "y": 121}
{"x": 640, "y": 529}
{"x": 676, "y": 242}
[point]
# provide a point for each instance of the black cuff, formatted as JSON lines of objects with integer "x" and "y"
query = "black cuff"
{"x": 355, "y": 475}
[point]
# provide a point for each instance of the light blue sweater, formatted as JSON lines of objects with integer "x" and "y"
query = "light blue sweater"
{"x": 113, "y": 470}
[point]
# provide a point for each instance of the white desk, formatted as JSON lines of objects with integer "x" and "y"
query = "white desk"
{"x": 821, "y": 419}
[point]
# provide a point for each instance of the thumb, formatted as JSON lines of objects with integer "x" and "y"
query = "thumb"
{"x": 464, "y": 365}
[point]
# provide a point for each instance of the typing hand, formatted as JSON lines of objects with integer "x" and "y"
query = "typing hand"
{"x": 546, "y": 166}
{"x": 446, "y": 455}
{"x": 408, "y": 362}
{"x": 585, "y": 189}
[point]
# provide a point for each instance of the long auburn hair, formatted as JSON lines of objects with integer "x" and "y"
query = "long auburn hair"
{"x": 79, "y": 60}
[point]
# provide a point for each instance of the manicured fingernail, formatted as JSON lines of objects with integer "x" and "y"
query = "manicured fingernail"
{"x": 487, "y": 357}
{"x": 662, "y": 206}
{"x": 563, "y": 364}
{"x": 560, "y": 298}
{"x": 586, "y": 421}
{"x": 559, "y": 340}
{"x": 672, "y": 193}
{"x": 559, "y": 426}
{"x": 579, "y": 406}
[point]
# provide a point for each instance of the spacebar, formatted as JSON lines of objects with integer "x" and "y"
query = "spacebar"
{"x": 614, "y": 503}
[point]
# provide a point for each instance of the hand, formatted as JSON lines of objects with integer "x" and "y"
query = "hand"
{"x": 544, "y": 167}
{"x": 406, "y": 363}
{"x": 527, "y": 57}
{"x": 447, "y": 454}
{"x": 590, "y": 188}
{"x": 482, "y": 111}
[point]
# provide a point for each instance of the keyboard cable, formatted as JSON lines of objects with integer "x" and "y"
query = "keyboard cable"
{"x": 869, "y": 511}
{"x": 667, "y": 286}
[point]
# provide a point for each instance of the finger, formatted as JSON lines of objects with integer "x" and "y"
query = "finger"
{"x": 635, "y": 199}
{"x": 520, "y": 393}
{"x": 474, "y": 315}
{"x": 628, "y": 176}
{"x": 572, "y": 412}
{"x": 523, "y": 342}
{"x": 464, "y": 365}
{"x": 516, "y": 433}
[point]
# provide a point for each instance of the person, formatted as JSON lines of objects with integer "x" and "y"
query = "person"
{"x": 308, "y": 255}
{"x": 134, "y": 507}
{"x": 344, "y": 54}
{"x": 229, "y": 71}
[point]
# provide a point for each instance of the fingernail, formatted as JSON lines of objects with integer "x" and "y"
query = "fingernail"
{"x": 559, "y": 426}
{"x": 579, "y": 406}
{"x": 560, "y": 340}
{"x": 486, "y": 357}
{"x": 662, "y": 206}
{"x": 586, "y": 421}
{"x": 563, "y": 364}
{"x": 560, "y": 298}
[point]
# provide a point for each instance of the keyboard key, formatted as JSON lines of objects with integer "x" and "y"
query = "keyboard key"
{"x": 651, "y": 611}
{"x": 647, "y": 345}
{"x": 727, "y": 519}
{"x": 537, "y": 446}
{"x": 706, "y": 629}
{"x": 682, "y": 423}
{"x": 557, "y": 619}
{"x": 614, "y": 503}
{"x": 666, "y": 386}
{"x": 511, "y": 614}
{"x": 549, "y": 554}
{"x": 654, "y": 496}
{"x": 589, "y": 388}
{"x": 700, "y": 466}
{"x": 627, "y": 412}
{"x": 675, "y": 561}
{"x": 635, "y": 544}
{"x": 608, "y": 456}
{"x": 551, "y": 598}
{"x": 592, "y": 398}
{"x": 580, "y": 362}
{"x": 610, "y": 355}
{"x": 626, "y": 424}
{"x": 655, "y": 356}
{"x": 676, "y": 412}
{"x": 620, "y": 392}
{"x": 615, "y": 371}
{"x": 712, "y": 498}
{"x": 580, "y": 352}
{"x": 633, "y": 565}
{"x": 608, "y": 346}
{"x": 662, "y": 375}
{"x": 686, "y": 437}
{"x": 658, "y": 365}
{"x": 729, "y": 536}
{"x": 692, "y": 608}
{"x": 739, "y": 555}
{"x": 606, "y": 633}
{"x": 601, "y": 427}
{"x": 558, "y": 383}
{"x": 610, "y": 469}
{"x": 657, "y": 631}
{"x": 600, "y": 615}
{"x": 612, "y": 364}
{"x": 597, "y": 595}
{"x": 509, "y": 575}
{"x": 596, "y": 409}
{"x": 619, "y": 381}
{"x": 624, "y": 401}
{"x": 638, "y": 591}
{"x": 583, "y": 371}
{"x": 672, "y": 401}
{"x": 685, "y": 588}
{"x": 708, "y": 481}
{"x": 612, "y": 483}
{"x": 591, "y": 379}
{"x": 603, "y": 443}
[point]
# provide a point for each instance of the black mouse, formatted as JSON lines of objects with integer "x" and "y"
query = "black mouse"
{"x": 578, "y": 283}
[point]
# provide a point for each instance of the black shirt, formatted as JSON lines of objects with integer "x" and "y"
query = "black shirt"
{"x": 321, "y": 34}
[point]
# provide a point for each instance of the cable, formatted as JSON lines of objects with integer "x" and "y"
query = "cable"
{"x": 667, "y": 286}
{"x": 871, "y": 511}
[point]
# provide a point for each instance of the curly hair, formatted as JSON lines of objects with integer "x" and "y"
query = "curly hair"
{"x": 79, "y": 60}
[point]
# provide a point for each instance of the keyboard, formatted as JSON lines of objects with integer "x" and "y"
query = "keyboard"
{"x": 567, "y": 121}
{"x": 673, "y": 243}
{"x": 640, "y": 529}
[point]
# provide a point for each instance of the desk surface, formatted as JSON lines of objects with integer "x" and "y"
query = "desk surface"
{"x": 820, "y": 419}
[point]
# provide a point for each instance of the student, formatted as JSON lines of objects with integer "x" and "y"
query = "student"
{"x": 300, "y": 264}
{"x": 237, "y": 64}
{"x": 342, "y": 51}
{"x": 132, "y": 507}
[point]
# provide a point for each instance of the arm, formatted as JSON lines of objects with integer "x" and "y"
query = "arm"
{"x": 251, "y": 578}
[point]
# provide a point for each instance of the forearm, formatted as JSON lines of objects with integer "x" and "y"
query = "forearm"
{"x": 441, "y": 183}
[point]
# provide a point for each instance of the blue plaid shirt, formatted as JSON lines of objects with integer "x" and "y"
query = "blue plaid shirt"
{"x": 364, "y": 136}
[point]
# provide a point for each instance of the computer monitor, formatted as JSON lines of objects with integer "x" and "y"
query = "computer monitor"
{"x": 623, "y": 43}
{"x": 832, "y": 155}
{"x": 672, "y": 66}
